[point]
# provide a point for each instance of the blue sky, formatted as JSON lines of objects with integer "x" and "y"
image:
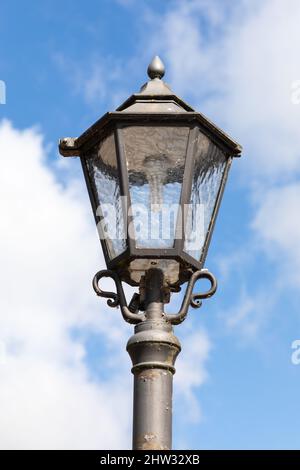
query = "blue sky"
{"x": 63, "y": 358}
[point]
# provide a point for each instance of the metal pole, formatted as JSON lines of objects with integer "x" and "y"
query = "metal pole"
{"x": 153, "y": 350}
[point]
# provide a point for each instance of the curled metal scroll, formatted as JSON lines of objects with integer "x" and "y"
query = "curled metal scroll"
{"x": 118, "y": 298}
{"x": 193, "y": 300}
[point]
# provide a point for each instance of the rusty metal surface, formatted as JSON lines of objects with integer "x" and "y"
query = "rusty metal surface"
{"x": 152, "y": 425}
{"x": 153, "y": 350}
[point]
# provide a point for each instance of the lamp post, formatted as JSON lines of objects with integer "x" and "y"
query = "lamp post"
{"x": 155, "y": 171}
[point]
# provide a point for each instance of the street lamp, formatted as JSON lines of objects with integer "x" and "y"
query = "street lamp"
{"x": 155, "y": 171}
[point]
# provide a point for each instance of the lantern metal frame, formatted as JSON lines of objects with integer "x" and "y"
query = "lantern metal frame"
{"x": 114, "y": 122}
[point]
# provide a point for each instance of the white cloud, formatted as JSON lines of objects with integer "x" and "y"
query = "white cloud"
{"x": 191, "y": 371}
{"x": 98, "y": 79}
{"x": 51, "y": 396}
{"x": 262, "y": 67}
{"x": 277, "y": 225}
{"x": 48, "y": 256}
{"x": 249, "y": 312}
{"x": 46, "y": 404}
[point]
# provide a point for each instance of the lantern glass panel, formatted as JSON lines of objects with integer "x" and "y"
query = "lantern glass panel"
{"x": 102, "y": 169}
{"x": 209, "y": 163}
{"x": 155, "y": 157}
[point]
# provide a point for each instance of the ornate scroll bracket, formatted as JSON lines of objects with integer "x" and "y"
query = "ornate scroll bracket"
{"x": 118, "y": 298}
{"x": 131, "y": 315}
{"x": 193, "y": 300}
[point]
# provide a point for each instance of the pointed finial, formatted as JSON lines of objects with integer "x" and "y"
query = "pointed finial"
{"x": 156, "y": 68}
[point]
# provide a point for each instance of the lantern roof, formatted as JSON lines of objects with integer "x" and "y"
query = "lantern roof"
{"x": 155, "y": 101}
